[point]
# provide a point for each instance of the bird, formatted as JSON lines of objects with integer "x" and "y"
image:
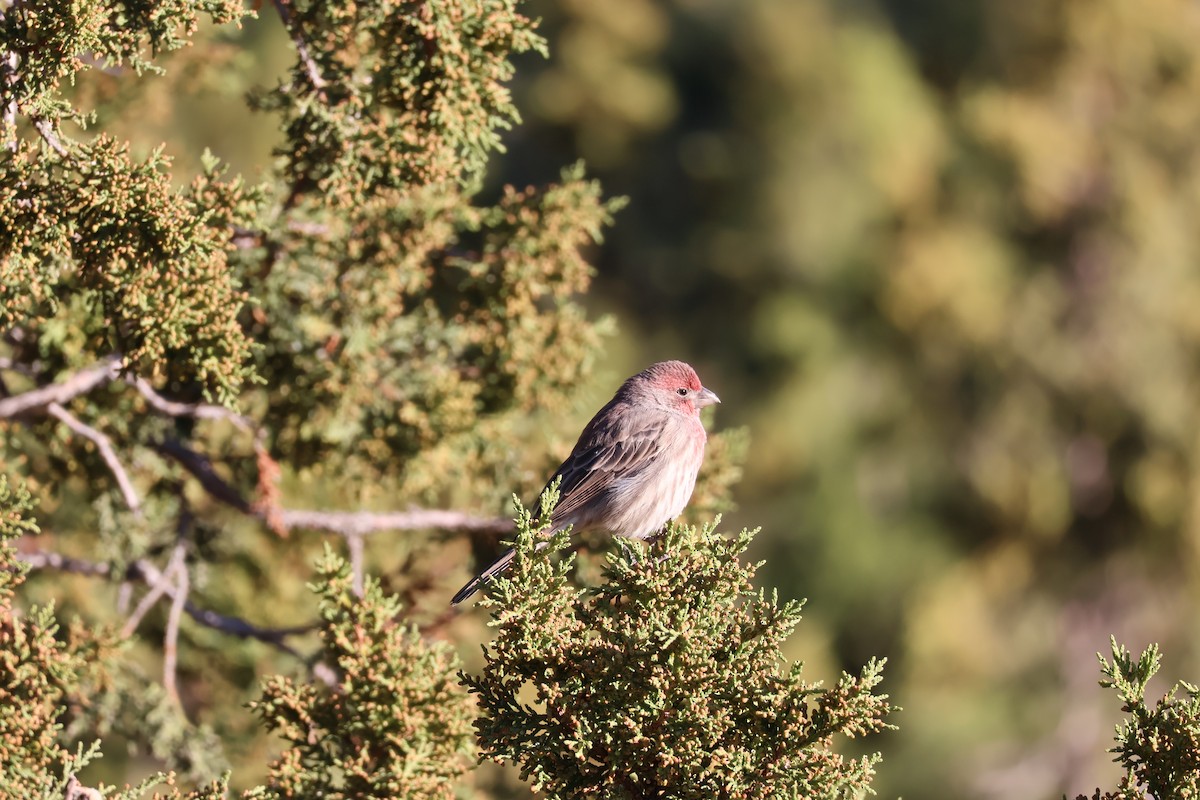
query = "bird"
{"x": 635, "y": 464}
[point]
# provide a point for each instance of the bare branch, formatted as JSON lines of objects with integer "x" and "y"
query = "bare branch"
{"x": 81, "y": 382}
{"x": 144, "y": 571}
{"x": 46, "y": 128}
{"x": 46, "y": 559}
{"x": 196, "y": 410}
{"x": 171, "y": 636}
{"x": 202, "y": 470}
{"x": 310, "y": 65}
{"x": 17, "y": 366}
{"x": 346, "y": 523}
{"x": 106, "y": 452}
{"x": 105, "y": 371}
{"x": 354, "y": 543}
{"x": 157, "y": 590}
{"x": 359, "y": 523}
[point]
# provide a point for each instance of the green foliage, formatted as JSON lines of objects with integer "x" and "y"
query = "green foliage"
{"x": 44, "y": 673}
{"x": 1158, "y": 747}
{"x": 437, "y": 312}
{"x": 36, "y": 671}
{"x": 38, "y": 674}
{"x": 51, "y": 40}
{"x": 394, "y": 725}
{"x": 665, "y": 679}
{"x": 126, "y": 706}
{"x": 16, "y": 519}
{"x": 392, "y": 96}
{"x": 88, "y": 220}
{"x": 145, "y": 257}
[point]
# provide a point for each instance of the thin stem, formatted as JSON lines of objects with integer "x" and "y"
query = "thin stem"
{"x": 106, "y": 452}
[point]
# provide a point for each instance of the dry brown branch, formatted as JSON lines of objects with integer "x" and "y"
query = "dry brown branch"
{"x": 106, "y": 452}
{"x": 81, "y": 382}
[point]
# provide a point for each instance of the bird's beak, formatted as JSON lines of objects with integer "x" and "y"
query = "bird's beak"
{"x": 706, "y": 397}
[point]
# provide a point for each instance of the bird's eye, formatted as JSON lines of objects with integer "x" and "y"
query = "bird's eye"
{"x": 681, "y": 392}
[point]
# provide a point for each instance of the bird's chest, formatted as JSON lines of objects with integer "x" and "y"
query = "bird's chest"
{"x": 648, "y": 499}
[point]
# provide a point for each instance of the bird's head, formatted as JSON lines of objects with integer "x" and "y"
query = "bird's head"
{"x": 673, "y": 384}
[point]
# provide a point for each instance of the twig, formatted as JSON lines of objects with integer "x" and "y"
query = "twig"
{"x": 124, "y": 595}
{"x": 346, "y": 523}
{"x": 202, "y": 470}
{"x": 81, "y": 382}
{"x": 17, "y": 366}
{"x": 197, "y": 410}
{"x": 47, "y": 559}
{"x": 354, "y": 543}
{"x": 360, "y": 523}
{"x": 46, "y": 128}
{"x": 74, "y": 790}
{"x": 106, "y": 452}
{"x": 171, "y": 637}
{"x": 144, "y": 571}
{"x": 105, "y": 371}
{"x": 157, "y": 590}
{"x": 310, "y": 65}
{"x": 234, "y": 626}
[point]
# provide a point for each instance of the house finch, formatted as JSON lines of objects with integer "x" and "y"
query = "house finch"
{"x": 635, "y": 464}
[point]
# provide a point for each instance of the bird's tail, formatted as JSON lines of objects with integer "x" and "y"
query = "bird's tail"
{"x": 498, "y": 566}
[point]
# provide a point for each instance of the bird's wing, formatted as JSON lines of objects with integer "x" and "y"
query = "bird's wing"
{"x": 604, "y": 454}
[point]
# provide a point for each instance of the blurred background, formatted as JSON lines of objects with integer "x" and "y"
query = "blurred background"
{"x": 940, "y": 257}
